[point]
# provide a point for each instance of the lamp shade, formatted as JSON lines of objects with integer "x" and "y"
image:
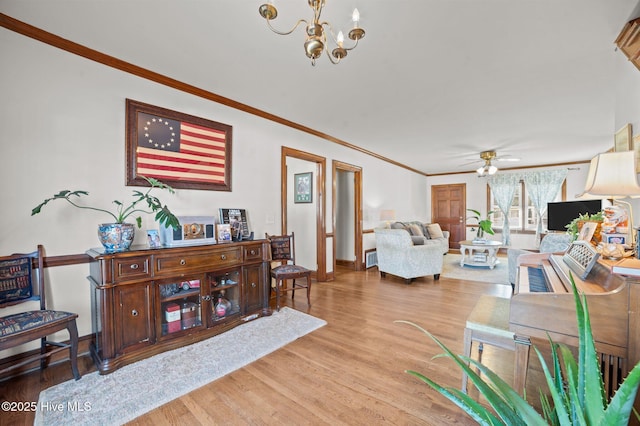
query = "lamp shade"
{"x": 612, "y": 175}
{"x": 387, "y": 214}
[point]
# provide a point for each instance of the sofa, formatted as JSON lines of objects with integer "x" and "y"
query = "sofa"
{"x": 551, "y": 243}
{"x": 399, "y": 256}
{"x": 425, "y": 234}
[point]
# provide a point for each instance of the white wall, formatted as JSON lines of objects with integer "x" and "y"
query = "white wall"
{"x": 63, "y": 127}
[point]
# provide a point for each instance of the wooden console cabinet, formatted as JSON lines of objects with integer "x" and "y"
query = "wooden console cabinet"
{"x": 146, "y": 301}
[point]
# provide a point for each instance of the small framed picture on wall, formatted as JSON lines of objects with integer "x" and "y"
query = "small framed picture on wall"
{"x": 303, "y": 187}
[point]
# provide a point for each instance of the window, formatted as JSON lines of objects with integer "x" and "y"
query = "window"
{"x": 522, "y": 213}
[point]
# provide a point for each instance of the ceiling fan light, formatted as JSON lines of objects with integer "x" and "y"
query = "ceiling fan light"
{"x": 480, "y": 170}
{"x": 493, "y": 170}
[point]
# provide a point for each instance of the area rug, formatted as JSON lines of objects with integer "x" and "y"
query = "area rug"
{"x": 138, "y": 388}
{"x": 498, "y": 275}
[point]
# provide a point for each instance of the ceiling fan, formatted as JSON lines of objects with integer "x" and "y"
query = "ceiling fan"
{"x": 488, "y": 168}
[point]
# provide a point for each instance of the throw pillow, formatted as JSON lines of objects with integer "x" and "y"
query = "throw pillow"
{"x": 434, "y": 230}
{"x": 415, "y": 230}
{"x": 417, "y": 241}
{"x": 397, "y": 225}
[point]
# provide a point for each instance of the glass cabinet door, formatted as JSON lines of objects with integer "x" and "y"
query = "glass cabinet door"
{"x": 224, "y": 291}
{"x": 180, "y": 305}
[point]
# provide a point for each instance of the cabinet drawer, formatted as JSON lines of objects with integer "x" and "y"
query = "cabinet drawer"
{"x": 192, "y": 262}
{"x": 253, "y": 252}
{"x": 131, "y": 268}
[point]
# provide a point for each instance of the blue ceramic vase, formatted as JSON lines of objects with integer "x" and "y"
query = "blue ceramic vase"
{"x": 116, "y": 236}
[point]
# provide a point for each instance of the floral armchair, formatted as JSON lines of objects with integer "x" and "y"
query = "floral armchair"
{"x": 397, "y": 255}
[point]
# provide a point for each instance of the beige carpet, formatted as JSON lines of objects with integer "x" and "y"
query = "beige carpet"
{"x": 498, "y": 275}
{"x": 135, "y": 389}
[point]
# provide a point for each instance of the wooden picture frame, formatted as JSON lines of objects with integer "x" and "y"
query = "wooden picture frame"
{"x": 181, "y": 150}
{"x": 622, "y": 139}
{"x": 303, "y": 187}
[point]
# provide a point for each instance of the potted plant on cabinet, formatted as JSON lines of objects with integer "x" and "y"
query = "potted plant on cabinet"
{"x": 118, "y": 235}
{"x": 484, "y": 225}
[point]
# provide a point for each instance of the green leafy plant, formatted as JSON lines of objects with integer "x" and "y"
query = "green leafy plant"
{"x": 150, "y": 204}
{"x": 577, "y": 391}
{"x": 484, "y": 224}
{"x": 572, "y": 227}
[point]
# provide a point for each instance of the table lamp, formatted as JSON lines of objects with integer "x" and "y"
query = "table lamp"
{"x": 613, "y": 175}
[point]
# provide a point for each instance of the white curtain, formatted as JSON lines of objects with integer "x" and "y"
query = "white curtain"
{"x": 543, "y": 187}
{"x": 503, "y": 187}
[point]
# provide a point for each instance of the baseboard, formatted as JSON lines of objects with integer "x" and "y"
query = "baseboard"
{"x": 350, "y": 264}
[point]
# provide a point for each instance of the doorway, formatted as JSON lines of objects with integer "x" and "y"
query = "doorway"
{"x": 448, "y": 207}
{"x": 307, "y": 236}
{"x": 347, "y": 215}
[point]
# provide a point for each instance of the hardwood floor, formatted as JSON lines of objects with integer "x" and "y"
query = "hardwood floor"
{"x": 352, "y": 371}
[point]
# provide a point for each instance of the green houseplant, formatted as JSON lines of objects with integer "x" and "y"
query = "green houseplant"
{"x": 576, "y": 387}
{"x": 118, "y": 235}
{"x": 484, "y": 225}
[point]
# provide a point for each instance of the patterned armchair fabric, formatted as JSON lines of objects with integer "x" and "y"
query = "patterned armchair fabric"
{"x": 551, "y": 243}
{"x": 397, "y": 255}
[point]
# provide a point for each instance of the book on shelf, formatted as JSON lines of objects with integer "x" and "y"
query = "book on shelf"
{"x": 627, "y": 266}
{"x": 480, "y": 257}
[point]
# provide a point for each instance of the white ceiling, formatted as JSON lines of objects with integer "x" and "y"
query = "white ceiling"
{"x": 433, "y": 83}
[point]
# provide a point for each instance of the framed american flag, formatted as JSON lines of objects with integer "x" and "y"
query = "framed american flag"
{"x": 181, "y": 150}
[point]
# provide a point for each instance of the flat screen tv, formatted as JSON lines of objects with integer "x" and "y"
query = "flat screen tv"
{"x": 560, "y": 214}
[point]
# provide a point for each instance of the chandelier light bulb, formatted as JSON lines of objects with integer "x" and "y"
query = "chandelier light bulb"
{"x": 340, "y": 39}
{"x": 355, "y": 16}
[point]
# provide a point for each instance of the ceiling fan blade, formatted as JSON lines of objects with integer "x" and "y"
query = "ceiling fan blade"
{"x": 472, "y": 162}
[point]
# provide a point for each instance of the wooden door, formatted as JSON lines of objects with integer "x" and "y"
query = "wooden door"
{"x": 448, "y": 207}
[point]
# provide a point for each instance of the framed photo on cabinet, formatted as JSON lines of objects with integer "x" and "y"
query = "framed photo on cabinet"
{"x": 237, "y": 218}
{"x": 223, "y": 232}
{"x": 303, "y": 187}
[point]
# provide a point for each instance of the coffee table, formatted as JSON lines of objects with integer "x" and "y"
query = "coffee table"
{"x": 479, "y": 253}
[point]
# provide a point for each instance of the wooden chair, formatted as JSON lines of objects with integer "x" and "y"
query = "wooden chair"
{"x": 21, "y": 282}
{"x": 283, "y": 250}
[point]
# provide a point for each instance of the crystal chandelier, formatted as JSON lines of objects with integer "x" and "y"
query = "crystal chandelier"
{"x": 317, "y": 31}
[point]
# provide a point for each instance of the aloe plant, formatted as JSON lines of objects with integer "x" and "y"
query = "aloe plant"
{"x": 577, "y": 391}
{"x": 123, "y": 211}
